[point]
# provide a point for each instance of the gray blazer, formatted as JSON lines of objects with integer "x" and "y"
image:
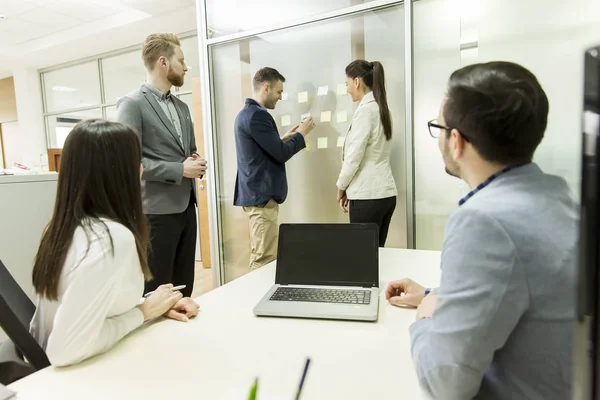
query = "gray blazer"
{"x": 503, "y": 326}
{"x": 164, "y": 189}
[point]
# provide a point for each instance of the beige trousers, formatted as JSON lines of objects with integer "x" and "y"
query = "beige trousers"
{"x": 264, "y": 232}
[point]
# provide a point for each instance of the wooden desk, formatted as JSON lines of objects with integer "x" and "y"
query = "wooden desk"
{"x": 217, "y": 355}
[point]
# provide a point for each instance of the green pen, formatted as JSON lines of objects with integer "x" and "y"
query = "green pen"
{"x": 253, "y": 389}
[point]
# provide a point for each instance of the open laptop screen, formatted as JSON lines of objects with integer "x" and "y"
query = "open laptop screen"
{"x": 328, "y": 254}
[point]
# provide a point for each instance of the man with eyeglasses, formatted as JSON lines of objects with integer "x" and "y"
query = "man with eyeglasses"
{"x": 500, "y": 324}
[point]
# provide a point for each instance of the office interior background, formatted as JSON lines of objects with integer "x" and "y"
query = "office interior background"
{"x": 67, "y": 60}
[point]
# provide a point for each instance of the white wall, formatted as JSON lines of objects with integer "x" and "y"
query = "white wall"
{"x": 31, "y": 123}
{"x": 548, "y": 37}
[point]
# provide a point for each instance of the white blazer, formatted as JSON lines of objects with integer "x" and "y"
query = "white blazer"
{"x": 98, "y": 291}
{"x": 366, "y": 172}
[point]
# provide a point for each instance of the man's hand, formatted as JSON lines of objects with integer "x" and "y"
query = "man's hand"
{"x": 306, "y": 125}
{"x": 427, "y": 306}
{"x": 194, "y": 167}
{"x": 342, "y": 199}
{"x": 289, "y": 134}
{"x": 183, "y": 310}
{"x": 405, "y": 293}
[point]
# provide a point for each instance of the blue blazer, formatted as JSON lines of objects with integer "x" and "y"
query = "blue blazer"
{"x": 261, "y": 157}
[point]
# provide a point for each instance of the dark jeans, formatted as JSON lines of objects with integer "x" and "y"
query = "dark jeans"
{"x": 378, "y": 211}
{"x": 172, "y": 256}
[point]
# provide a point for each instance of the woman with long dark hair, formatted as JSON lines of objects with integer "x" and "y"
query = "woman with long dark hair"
{"x": 92, "y": 261}
{"x": 366, "y": 183}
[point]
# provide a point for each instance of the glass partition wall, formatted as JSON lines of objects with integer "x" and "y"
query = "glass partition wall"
{"x": 420, "y": 43}
{"x": 312, "y": 55}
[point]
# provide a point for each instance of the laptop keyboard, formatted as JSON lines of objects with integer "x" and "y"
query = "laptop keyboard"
{"x": 322, "y": 295}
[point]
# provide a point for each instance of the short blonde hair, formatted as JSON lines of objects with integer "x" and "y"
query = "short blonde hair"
{"x": 158, "y": 45}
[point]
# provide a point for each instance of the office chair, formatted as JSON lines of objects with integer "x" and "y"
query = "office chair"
{"x": 16, "y": 311}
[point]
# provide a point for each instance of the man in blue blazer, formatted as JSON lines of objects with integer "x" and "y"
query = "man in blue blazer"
{"x": 261, "y": 183}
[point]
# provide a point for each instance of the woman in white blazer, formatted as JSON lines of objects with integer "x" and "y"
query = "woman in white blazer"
{"x": 92, "y": 261}
{"x": 366, "y": 186}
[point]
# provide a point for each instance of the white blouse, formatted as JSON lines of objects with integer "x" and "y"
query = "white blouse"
{"x": 366, "y": 172}
{"x": 97, "y": 296}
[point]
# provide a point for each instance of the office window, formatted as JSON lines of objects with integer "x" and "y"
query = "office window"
{"x": 72, "y": 87}
{"x": 122, "y": 74}
{"x": 255, "y": 14}
{"x": 59, "y": 126}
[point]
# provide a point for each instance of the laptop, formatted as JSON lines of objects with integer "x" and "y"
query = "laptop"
{"x": 327, "y": 271}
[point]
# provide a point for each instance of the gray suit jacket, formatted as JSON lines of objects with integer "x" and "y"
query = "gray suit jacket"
{"x": 503, "y": 326}
{"x": 164, "y": 189}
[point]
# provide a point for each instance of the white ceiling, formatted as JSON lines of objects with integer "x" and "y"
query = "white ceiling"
{"x": 41, "y": 33}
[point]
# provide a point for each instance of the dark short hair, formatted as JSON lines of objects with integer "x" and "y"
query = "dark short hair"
{"x": 500, "y": 107}
{"x": 267, "y": 74}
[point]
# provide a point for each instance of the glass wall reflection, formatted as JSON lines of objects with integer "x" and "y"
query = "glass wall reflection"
{"x": 312, "y": 58}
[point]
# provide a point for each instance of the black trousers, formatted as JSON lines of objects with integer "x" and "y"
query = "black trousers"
{"x": 377, "y": 211}
{"x": 172, "y": 255}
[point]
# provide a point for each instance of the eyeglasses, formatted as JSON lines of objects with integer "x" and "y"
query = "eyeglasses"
{"x": 435, "y": 129}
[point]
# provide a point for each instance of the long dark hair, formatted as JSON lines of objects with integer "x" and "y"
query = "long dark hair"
{"x": 99, "y": 178}
{"x": 373, "y": 76}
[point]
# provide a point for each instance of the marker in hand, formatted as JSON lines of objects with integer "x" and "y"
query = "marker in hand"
{"x": 174, "y": 288}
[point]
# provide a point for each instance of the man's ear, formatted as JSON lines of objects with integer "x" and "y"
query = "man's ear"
{"x": 457, "y": 143}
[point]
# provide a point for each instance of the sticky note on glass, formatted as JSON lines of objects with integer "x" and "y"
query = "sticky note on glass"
{"x": 341, "y": 89}
{"x": 304, "y": 116}
{"x": 307, "y": 145}
{"x": 340, "y": 141}
{"x": 286, "y": 120}
{"x": 323, "y": 90}
{"x": 325, "y": 116}
{"x": 342, "y": 116}
{"x": 302, "y": 97}
{"x": 322, "y": 143}
{"x": 284, "y": 96}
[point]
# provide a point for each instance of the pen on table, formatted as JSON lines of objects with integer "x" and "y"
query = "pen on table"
{"x": 303, "y": 378}
{"x": 174, "y": 288}
{"x": 253, "y": 390}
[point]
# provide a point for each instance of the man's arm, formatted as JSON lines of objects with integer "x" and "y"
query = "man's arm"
{"x": 481, "y": 298}
{"x": 128, "y": 112}
{"x": 267, "y": 137}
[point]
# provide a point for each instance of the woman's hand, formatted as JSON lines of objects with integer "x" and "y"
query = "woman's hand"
{"x": 342, "y": 200}
{"x": 159, "y": 302}
{"x": 185, "y": 309}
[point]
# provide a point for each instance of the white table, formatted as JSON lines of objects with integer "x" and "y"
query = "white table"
{"x": 218, "y": 354}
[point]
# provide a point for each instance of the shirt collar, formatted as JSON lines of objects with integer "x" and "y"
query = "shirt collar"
{"x": 369, "y": 97}
{"x": 485, "y": 183}
{"x": 160, "y": 95}
{"x": 252, "y": 101}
